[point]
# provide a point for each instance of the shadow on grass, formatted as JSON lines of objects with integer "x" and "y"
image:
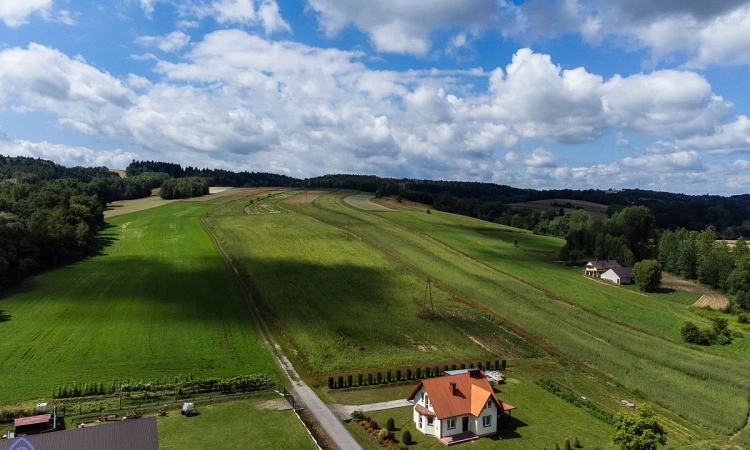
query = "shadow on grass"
{"x": 4, "y": 317}
{"x": 663, "y": 290}
{"x": 507, "y": 429}
{"x": 104, "y": 239}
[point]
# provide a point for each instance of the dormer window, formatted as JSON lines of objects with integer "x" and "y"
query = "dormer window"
{"x": 426, "y": 401}
{"x": 489, "y": 404}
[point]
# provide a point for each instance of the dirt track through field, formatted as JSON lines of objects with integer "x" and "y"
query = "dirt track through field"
{"x": 304, "y": 197}
{"x": 362, "y": 201}
{"x": 709, "y": 298}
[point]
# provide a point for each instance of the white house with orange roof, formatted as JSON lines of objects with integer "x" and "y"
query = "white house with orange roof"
{"x": 457, "y": 407}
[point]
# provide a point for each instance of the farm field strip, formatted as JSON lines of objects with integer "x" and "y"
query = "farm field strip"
{"x": 156, "y": 302}
{"x": 712, "y": 389}
{"x": 340, "y": 304}
{"x": 362, "y": 201}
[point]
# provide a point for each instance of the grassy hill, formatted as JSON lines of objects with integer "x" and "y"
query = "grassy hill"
{"x": 156, "y": 302}
{"x": 345, "y": 293}
{"x": 357, "y": 294}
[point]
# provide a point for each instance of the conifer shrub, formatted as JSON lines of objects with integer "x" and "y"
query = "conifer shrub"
{"x": 406, "y": 438}
{"x": 390, "y": 425}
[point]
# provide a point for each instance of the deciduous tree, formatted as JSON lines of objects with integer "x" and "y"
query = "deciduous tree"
{"x": 639, "y": 430}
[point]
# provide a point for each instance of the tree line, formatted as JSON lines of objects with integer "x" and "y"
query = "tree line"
{"x": 50, "y": 214}
{"x": 214, "y": 177}
{"x": 489, "y": 201}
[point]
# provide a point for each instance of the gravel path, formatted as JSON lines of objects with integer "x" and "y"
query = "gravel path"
{"x": 333, "y": 427}
{"x": 345, "y": 411}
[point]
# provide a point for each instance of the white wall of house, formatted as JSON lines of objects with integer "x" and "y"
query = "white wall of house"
{"x": 446, "y": 431}
{"x": 422, "y": 399}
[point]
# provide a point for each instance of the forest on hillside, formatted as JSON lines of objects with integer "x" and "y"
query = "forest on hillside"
{"x": 49, "y": 214}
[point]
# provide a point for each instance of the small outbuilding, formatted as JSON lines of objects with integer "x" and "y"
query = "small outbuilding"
{"x": 619, "y": 275}
{"x": 138, "y": 434}
{"x": 33, "y": 424}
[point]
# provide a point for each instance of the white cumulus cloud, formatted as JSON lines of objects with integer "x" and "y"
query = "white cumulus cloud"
{"x": 16, "y": 12}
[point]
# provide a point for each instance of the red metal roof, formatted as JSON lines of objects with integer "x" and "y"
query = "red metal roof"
{"x": 507, "y": 406}
{"x": 33, "y": 420}
{"x": 450, "y": 402}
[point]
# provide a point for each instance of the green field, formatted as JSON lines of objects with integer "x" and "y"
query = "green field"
{"x": 338, "y": 303}
{"x": 344, "y": 293}
{"x": 234, "y": 425}
{"x": 634, "y": 338}
{"x": 156, "y": 302}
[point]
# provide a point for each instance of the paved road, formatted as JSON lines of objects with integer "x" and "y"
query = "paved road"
{"x": 328, "y": 421}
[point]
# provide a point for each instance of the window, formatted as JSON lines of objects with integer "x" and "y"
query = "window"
{"x": 452, "y": 423}
{"x": 486, "y": 421}
{"x": 430, "y": 421}
{"x": 419, "y": 425}
{"x": 489, "y": 404}
{"x": 426, "y": 401}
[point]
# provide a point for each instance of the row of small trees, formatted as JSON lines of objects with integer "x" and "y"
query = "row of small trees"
{"x": 243, "y": 383}
{"x": 408, "y": 374}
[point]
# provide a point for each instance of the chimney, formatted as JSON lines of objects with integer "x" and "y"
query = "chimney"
{"x": 453, "y": 387}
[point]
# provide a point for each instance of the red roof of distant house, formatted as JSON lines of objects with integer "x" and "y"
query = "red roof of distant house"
{"x": 472, "y": 390}
{"x": 33, "y": 420}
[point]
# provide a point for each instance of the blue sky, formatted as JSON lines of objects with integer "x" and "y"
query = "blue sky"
{"x": 544, "y": 94}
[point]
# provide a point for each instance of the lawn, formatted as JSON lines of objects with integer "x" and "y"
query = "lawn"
{"x": 234, "y": 425}
{"x": 157, "y": 301}
{"x": 540, "y": 421}
{"x": 337, "y": 303}
{"x": 631, "y": 337}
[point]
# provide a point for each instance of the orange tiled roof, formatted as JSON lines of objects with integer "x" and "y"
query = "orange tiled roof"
{"x": 472, "y": 390}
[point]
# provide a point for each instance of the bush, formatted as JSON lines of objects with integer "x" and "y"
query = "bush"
{"x": 358, "y": 415}
{"x": 380, "y": 377}
{"x": 388, "y": 376}
{"x": 743, "y": 318}
{"x": 406, "y": 438}
{"x": 427, "y": 372}
{"x": 566, "y": 444}
{"x": 408, "y": 374}
{"x": 390, "y": 425}
{"x": 647, "y": 275}
{"x": 398, "y": 375}
{"x": 374, "y": 425}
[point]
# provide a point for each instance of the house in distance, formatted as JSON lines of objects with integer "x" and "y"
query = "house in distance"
{"x": 598, "y": 267}
{"x": 459, "y": 406}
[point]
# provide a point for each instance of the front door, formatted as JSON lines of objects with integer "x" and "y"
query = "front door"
{"x": 465, "y": 424}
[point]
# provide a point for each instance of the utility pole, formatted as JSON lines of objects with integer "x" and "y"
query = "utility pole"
{"x": 428, "y": 290}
